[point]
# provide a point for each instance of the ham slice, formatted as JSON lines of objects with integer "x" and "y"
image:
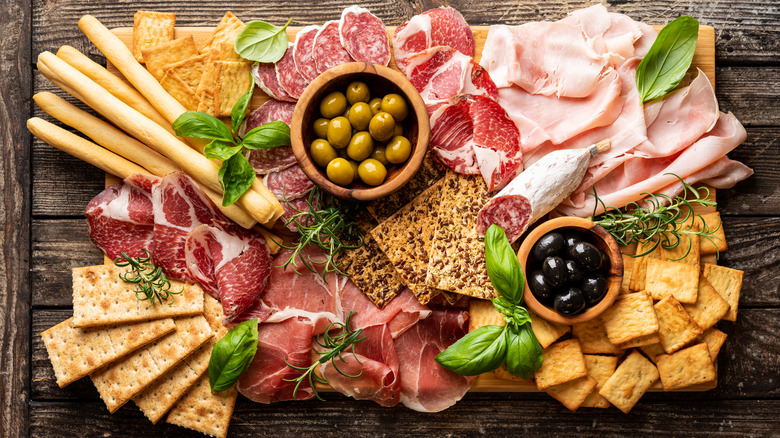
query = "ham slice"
{"x": 399, "y": 315}
{"x": 435, "y": 27}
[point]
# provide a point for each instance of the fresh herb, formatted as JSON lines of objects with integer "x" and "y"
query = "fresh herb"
{"x": 668, "y": 59}
{"x": 262, "y": 42}
{"x": 232, "y": 355}
{"x": 333, "y": 347}
{"x": 490, "y": 346}
{"x": 151, "y": 281}
{"x": 659, "y": 220}
{"x": 236, "y": 174}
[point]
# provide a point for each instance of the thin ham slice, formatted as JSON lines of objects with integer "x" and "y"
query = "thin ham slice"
{"x": 435, "y": 27}
{"x": 302, "y": 52}
{"x": 400, "y": 314}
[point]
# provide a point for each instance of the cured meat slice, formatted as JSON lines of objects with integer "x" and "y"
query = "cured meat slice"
{"x": 288, "y": 76}
{"x": 426, "y": 386}
{"x": 265, "y": 381}
{"x": 452, "y": 137}
{"x": 265, "y": 78}
{"x": 399, "y": 315}
{"x": 328, "y": 51}
{"x": 435, "y": 27}
{"x": 364, "y": 36}
{"x": 300, "y": 205}
{"x": 270, "y": 111}
{"x": 302, "y": 52}
{"x": 265, "y": 161}
{"x": 290, "y": 183}
{"x": 121, "y": 217}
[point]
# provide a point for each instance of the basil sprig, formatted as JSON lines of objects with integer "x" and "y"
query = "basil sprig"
{"x": 668, "y": 59}
{"x": 236, "y": 174}
{"x": 262, "y": 42}
{"x": 232, "y": 355}
{"x": 490, "y": 346}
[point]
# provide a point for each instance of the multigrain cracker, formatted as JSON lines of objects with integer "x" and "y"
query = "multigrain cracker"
{"x": 599, "y": 368}
{"x": 573, "y": 393}
{"x": 628, "y": 267}
{"x": 640, "y": 341}
{"x": 665, "y": 277}
{"x": 630, "y": 317}
{"x": 205, "y": 411}
{"x": 593, "y": 337}
{"x": 225, "y": 32}
{"x": 709, "y": 307}
{"x": 629, "y": 382}
{"x": 714, "y": 339}
{"x": 151, "y": 29}
{"x": 158, "y": 57}
{"x": 717, "y": 241}
{"x": 639, "y": 269}
{"x": 372, "y": 272}
{"x": 676, "y": 328}
{"x": 728, "y": 283}
{"x": 687, "y": 367}
{"x": 546, "y": 332}
{"x": 562, "y": 362}
{"x": 430, "y": 172}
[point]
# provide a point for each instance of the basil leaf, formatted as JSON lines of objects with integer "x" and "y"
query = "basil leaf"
{"x": 502, "y": 265}
{"x": 262, "y": 42}
{"x": 503, "y": 306}
{"x": 478, "y": 352}
{"x": 232, "y": 355}
{"x": 238, "y": 113}
{"x": 668, "y": 59}
{"x": 236, "y": 176}
{"x": 220, "y": 150}
{"x": 268, "y": 136}
{"x": 524, "y": 353}
{"x": 201, "y": 125}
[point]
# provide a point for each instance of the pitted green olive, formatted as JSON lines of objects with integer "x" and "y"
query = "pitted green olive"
{"x": 339, "y": 132}
{"x": 382, "y": 126}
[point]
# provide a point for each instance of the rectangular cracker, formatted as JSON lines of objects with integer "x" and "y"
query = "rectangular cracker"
{"x": 222, "y": 84}
{"x": 593, "y": 337}
{"x": 573, "y": 393}
{"x": 676, "y": 328}
{"x": 630, "y": 317}
{"x": 629, "y": 382}
{"x": 372, "y": 272}
{"x": 157, "y": 58}
{"x": 126, "y": 378}
{"x": 687, "y": 367}
{"x": 76, "y": 352}
{"x": 180, "y": 90}
{"x": 678, "y": 279}
{"x": 599, "y": 368}
{"x": 628, "y": 268}
{"x": 640, "y": 341}
{"x": 189, "y": 71}
{"x": 225, "y": 32}
{"x": 502, "y": 373}
{"x": 204, "y": 411}
{"x": 639, "y": 269}
{"x": 430, "y": 172}
{"x": 562, "y": 362}
{"x": 546, "y": 332}
{"x": 717, "y": 241}
{"x": 687, "y": 251}
{"x": 728, "y": 283}
{"x": 100, "y": 297}
{"x": 150, "y": 29}
{"x": 714, "y": 339}
{"x": 483, "y": 312}
{"x": 709, "y": 307}
{"x": 653, "y": 350}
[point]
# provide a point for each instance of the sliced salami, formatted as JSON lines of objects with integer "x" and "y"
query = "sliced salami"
{"x": 328, "y": 51}
{"x": 265, "y": 78}
{"x": 288, "y": 76}
{"x": 271, "y": 111}
{"x": 364, "y": 36}
{"x": 290, "y": 183}
{"x": 302, "y": 52}
{"x": 265, "y": 161}
{"x": 291, "y": 208}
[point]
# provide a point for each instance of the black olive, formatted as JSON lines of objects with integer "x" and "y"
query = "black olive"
{"x": 594, "y": 286}
{"x": 574, "y": 272}
{"x": 587, "y": 255}
{"x": 570, "y": 237}
{"x": 570, "y": 302}
{"x": 541, "y": 289}
{"x": 554, "y": 271}
{"x": 549, "y": 245}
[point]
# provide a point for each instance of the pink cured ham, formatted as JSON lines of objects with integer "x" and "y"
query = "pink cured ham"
{"x": 452, "y": 137}
{"x": 290, "y": 183}
{"x": 288, "y": 76}
{"x": 327, "y": 50}
{"x": 435, "y": 27}
{"x": 302, "y": 52}
{"x": 425, "y": 385}
{"x": 363, "y": 35}
{"x": 230, "y": 263}
{"x": 399, "y": 314}
{"x": 265, "y": 78}
{"x": 179, "y": 207}
{"x": 265, "y": 161}
{"x": 121, "y": 217}
{"x": 265, "y": 379}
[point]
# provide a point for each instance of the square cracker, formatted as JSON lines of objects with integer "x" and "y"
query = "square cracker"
{"x": 205, "y": 411}
{"x": 483, "y": 312}
{"x": 150, "y": 29}
{"x": 177, "y": 87}
{"x": 687, "y": 251}
{"x": 546, "y": 332}
{"x": 189, "y": 71}
{"x": 709, "y": 307}
{"x": 687, "y": 367}
{"x": 640, "y": 341}
{"x": 639, "y": 269}
{"x": 222, "y": 84}
{"x": 562, "y": 362}
{"x": 628, "y": 268}
{"x": 728, "y": 283}
{"x": 159, "y": 57}
{"x": 714, "y": 339}
{"x": 630, "y": 317}
{"x": 629, "y": 382}
{"x": 100, "y": 297}
{"x": 676, "y": 328}
{"x": 717, "y": 241}
{"x": 653, "y": 350}
{"x": 573, "y": 393}
{"x": 76, "y": 352}
{"x": 600, "y": 368}
{"x": 502, "y": 373}
{"x": 225, "y": 32}
{"x": 593, "y": 338}
{"x": 665, "y": 277}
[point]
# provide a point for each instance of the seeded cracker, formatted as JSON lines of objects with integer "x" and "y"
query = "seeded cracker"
{"x": 709, "y": 307}
{"x": 728, "y": 283}
{"x": 599, "y": 368}
{"x": 457, "y": 259}
{"x": 687, "y": 367}
{"x": 680, "y": 280}
{"x": 151, "y": 29}
{"x": 714, "y": 339}
{"x": 630, "y": 317}
{"x": 162, "y": 55}
{"x": 562, "y": 362}
{"x": 593, "y": 337}
{"x": 676, "y": 327}
{"x": 204, "y": 411}
{"x": 430, "y": 172}
{"x": 629, "y": 382}
{"x": 225, "y": 32}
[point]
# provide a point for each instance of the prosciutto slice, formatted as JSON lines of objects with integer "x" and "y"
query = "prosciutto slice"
{"x": 435, "y": 27}
{"x": 399, "y": 315}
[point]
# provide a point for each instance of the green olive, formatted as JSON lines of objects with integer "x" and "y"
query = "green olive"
{"x": 379, "y": 155}
{"x": 372, "y": 172}
{"x": 354, "y": 165}
{"x": 382, "y": 126}
{"x": 321, "y": 128}
{"x": 376, "y": 105}
{"x": 399, "y": 129}
{"x": 360, "y": 146}
{"x": 395, "y": 105}
{"x": 322, "y": 152}
{"x": 358, "y": 92}
{"x": 332, "y": 105}
{"x": 398, "y": 150}
{"x": 339, "y": 132}
{"x": 340, "y": 172}
{"x": 359, "y": 116}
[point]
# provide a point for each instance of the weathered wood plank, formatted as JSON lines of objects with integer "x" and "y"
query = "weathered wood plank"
{"x": 759, "y": 194}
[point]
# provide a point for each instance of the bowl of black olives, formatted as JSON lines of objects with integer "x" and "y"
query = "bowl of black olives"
{"x": 573, "y": 270}
{"x": 360, "y": 131}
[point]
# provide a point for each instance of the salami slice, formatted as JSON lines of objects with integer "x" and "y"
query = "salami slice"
{"x": 272, "y": 110}
{"x": 295, "y": 206}
{"x": 265, "y": 161}
{"x": 288, "y": 76}
{"x": 328, "y": 51}
{"x": 265, "y": 78}
{"x": 302, "y": 52}
{"x": 290, "y": 183}
{"x": 364, "y": 36}
{"x": 511, "y": 212}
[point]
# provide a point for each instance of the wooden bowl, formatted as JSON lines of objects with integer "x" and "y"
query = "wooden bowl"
{"x": 602, "y": 240}
{"x": 381, "y": 80}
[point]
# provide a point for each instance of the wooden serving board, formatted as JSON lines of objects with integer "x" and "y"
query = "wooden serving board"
{"x": 703, "y": 58}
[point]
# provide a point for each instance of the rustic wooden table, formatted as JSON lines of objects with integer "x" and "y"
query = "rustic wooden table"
{"x": 44, "y": 193}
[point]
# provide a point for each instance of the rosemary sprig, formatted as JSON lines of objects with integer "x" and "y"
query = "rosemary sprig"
{"x": 150, "y": 279}
{"x": 658, "y": 220}
{"x": 334, "y": 347}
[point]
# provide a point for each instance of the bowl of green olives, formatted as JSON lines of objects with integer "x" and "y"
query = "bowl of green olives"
{"x": 360, "y": 131}
{"x": 573, "y": 270}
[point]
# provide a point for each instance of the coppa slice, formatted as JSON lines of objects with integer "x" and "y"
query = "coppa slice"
{"x": 328, "y": 51}
{"x": 435, "y": 27}
{"x": 265, "y": 78}
{"x": 363, "y": 35}
{"x": 266, "y": 161}
{"x": 302, "y": 52}
{"x": 288, "y": 76}
{"x": 290, "y": 183}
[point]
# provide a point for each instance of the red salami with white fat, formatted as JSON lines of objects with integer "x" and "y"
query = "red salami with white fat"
{"x": 288, "y": 76}
{"x": 302, "y": 52}
{"x": 290, "y": 183}
{"x": 328, "y": 51}
{"x": 364, "y": 36}
{"x": 265, "y": 78}
{"x": 265, "y": 161}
